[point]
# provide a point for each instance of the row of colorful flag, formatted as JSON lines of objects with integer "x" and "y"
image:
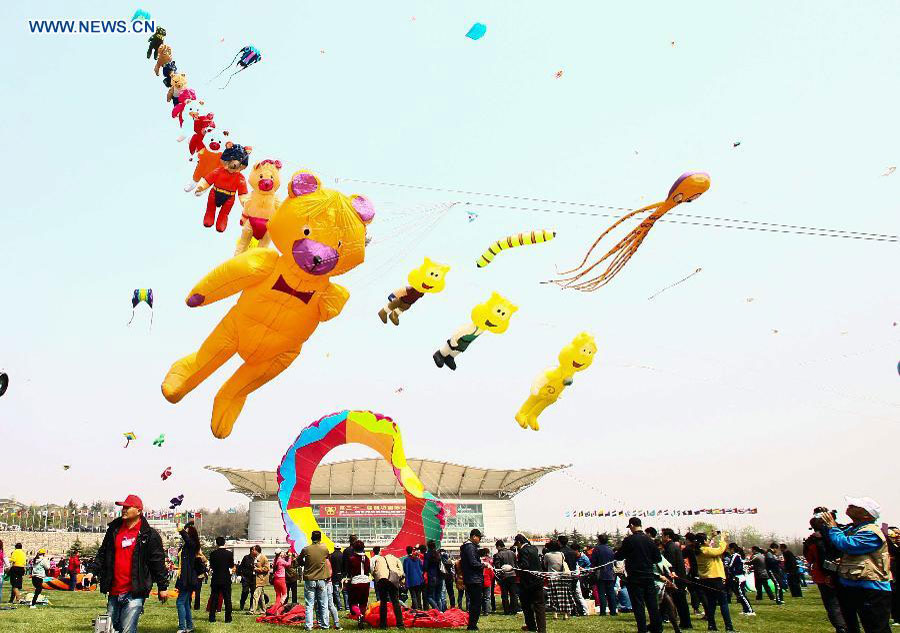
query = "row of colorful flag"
{"x": 666, "y": 512}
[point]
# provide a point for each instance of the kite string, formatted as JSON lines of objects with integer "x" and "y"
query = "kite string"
{"x": 226, "y": 67}
{"x": 613, "y": 208}
{"x": 232, "y": 75}
{"x": 872, "y": 237}
{"x": 680, "y": 281}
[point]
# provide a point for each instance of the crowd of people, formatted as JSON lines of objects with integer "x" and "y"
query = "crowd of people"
{"x": 18, "y": 565}
{"x": 658, "y": 576}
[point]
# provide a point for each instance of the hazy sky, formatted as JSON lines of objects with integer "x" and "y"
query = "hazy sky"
{"x": 693, "y": 400}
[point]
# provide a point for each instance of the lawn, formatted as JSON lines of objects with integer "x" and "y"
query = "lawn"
{"x": 73, "y": 612}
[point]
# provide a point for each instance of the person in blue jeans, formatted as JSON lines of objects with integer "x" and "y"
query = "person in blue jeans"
{"x": 414, "y": 570}
{"x": 316, "y": 575}
{"x": 188, "y": 581}
{"x": 317, "y": 601}
{"x": 622, "y": 596}
{"x": 434, "y": 571}
{"x": 602, "y": 558}
{"x": 336, "y": 560}
{"x": 130, "y": 560}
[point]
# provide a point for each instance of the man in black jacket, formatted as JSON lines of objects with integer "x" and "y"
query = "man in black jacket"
{"x": 473, "y": 576}
{"x": 640, "y": 554}
{"x": 345, "y": 570}
{"x": 221, "y": 564}
{"x": 792, "y": 571}
{"x": 336, "y": 558}
{"x": 506, "y": 579}
{"x": 672, "y": 552}
{"x": 531, "y": 585}
{"x": 248, "y": 578}
{"x": 130, "y": 559}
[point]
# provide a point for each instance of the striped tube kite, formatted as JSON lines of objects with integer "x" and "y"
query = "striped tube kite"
{"x": 424, "y": 519}
{"x": 687, "y": 188}
{"x": 513, "y": 241}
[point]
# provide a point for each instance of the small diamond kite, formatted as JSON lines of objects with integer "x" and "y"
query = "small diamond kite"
{"x": 477, "y": 31}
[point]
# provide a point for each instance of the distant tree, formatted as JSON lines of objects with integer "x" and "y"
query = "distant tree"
{"x": 89, "y": 551}
{"x": 616, "y": 538}
{"x": 77, "y": 546}
{"x": 231, "y": 525}
{"x": 702, "y": 526}
{"x": 747, "y": 537}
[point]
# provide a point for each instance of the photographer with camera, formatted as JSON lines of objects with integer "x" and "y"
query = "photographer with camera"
{"x": 863, "y": 570}
{"x": 820, "y": 555}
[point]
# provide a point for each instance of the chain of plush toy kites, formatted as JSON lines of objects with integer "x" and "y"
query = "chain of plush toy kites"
{"x": 709, "y": 221}
{"x": 420, "y": 221}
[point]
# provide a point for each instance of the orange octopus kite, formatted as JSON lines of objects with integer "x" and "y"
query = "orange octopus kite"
{"x": 687, "y": 188}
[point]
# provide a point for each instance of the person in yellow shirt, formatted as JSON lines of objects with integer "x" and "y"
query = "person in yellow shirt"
{"x": 16, "y": 572}
{"x": 711, "y": 570}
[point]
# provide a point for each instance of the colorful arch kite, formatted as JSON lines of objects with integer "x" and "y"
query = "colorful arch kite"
{"x": 424, "y": 518}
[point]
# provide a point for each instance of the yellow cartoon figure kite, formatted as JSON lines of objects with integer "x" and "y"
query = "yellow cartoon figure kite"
{"x": 429, "y": 278}
{"x": 491, "y": 316}
{"x": 576, "y": 356}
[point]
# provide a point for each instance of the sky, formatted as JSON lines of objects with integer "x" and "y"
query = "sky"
{"x": 694, "y": 399}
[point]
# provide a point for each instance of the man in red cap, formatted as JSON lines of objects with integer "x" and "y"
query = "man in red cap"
{"x": 130, "y": 559}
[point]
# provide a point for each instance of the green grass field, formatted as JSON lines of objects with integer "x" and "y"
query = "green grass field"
{"x": 73, "y": 612}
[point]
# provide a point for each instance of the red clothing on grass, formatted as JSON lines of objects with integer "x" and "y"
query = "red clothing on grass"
{"x": 74, "y": 563}
{"x": 123, "y": 545}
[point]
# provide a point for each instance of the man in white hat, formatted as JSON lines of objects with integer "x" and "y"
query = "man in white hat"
{"x": 864, "y": 576}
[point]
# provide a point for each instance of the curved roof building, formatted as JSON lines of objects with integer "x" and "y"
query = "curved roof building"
{"x": 363, "y": 497}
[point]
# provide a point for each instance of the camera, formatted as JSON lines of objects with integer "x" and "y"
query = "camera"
{"x": 817, "y": 522}
{"x": 821, "y": 511}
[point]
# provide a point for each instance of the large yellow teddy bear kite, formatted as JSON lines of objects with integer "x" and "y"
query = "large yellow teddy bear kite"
{"x": 574, "y": 357}
{"x": 319, "y": 233}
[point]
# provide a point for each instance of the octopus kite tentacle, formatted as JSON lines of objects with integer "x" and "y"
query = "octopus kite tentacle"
{"x": 602, "y": 235}
{"x": 687, "y": 188}
{"x": 623, "y": 251}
